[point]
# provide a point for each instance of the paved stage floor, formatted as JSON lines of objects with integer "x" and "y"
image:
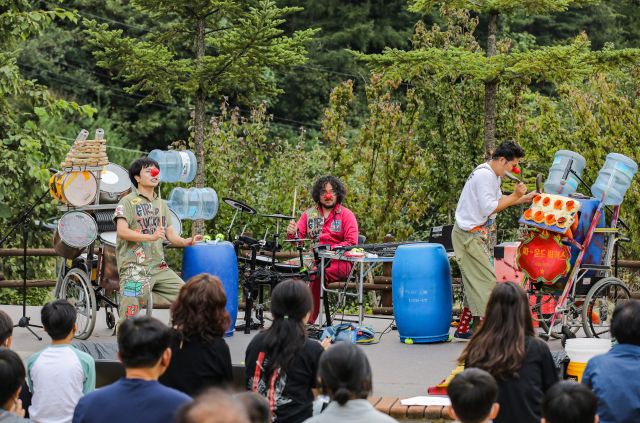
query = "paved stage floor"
{"x": 398, "y": 370}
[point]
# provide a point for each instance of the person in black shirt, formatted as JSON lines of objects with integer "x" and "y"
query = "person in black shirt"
{"x": 506, "y": 346}
{"x": 200, "y": 357}
{"x": 281, "y": 362}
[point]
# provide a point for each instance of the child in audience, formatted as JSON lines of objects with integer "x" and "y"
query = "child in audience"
{"x": 200, "y": 357}
{"x": 256, "y": 406}
{"x": 143, "y": 348}
{"x": 59, "y": 375}
{"x": 12, "y": 375}
{"x": 473, "y": 395}
{"x": 506, "y": 346}
{"x": 614, "y": 376}
{"x": 281, "y": 362}
{"x": 345, "y": 377}
{"x": 213, "y": 406}
{"x": 569, "y": 402}
{"x": 6, "y": 336}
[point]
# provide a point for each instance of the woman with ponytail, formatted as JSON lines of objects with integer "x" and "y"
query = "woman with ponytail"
{"x": 345, "y": 377}
{"x": 281, "y": 362}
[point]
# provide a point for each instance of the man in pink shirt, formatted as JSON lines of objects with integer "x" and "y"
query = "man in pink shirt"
{"x": 329, "y": 222}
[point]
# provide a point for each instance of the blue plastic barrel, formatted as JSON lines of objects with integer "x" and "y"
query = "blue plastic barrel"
{"x": 218, "y": 260}
{"x": 422, "y": 298}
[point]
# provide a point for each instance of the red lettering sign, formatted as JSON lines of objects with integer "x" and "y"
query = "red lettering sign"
{"x": 543, "y": 257}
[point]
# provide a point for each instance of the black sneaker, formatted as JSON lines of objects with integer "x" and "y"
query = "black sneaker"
{"x": 462, "y": 336}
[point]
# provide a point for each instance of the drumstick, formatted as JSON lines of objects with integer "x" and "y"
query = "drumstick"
{"x": 295, "y": 193}
{"x": 160, "y": 204}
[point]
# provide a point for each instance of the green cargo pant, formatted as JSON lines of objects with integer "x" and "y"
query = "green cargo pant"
{"x": 137, "y": 285}
{"x": 478, "y": 275}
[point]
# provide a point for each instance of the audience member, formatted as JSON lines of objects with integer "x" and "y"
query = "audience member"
{"x": 473, "y": 395}
{"x": 59, "y": 375}
{"x": 345, "y": 377}
{"x": 613, "y": 376}
{"x": 569, "y": 402}
{"x": 6, "y": 337}
{"x": 12, "y": 374}
{"x": 256, "y": 406}
{"x": 200, "y": 357}
{"x": 213, "y": 406}
{"x": 143, "y": 348}
{"x": 506, "y": 346}
{"x": 281, "y": 361}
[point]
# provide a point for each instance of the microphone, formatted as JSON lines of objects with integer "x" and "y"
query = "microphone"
{"x": 54, "y": 171}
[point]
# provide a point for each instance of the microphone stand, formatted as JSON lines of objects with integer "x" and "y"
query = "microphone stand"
{"x": 25, "y": 220}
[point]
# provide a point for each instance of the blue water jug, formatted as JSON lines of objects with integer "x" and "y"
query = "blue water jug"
{"x": 422, "y": 297}
{"x": 559, "y": 165}
{"x": 615, "y": 177}
{"x": 194, "y": 203}
{"x": 218, "y": 260}
{"x": 175, "y": 166}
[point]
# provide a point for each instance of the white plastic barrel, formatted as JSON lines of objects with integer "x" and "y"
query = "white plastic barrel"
{"x": 558, "y": 167}
{"x": 616, "y": 175}
{"x": 175, "y": 166}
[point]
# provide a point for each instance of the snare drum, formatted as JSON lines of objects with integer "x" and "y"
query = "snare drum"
{"x": 114, "y": 184}
{"x": 76, "y": 231}
{"x": 74, "y": 188}
{"x": 176, "y": 222}
{"x": 108, "y": 275}
{"x": 261, "y": 261}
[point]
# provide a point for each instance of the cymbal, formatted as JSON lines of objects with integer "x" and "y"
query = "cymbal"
{"x": 297, "y": 240}
{"x": 239, "y": 205}
{"x": 278, "y": 216}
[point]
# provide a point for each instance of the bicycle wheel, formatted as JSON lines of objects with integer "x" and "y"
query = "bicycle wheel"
{"x": 77, "y": 290}
{"x": 599, "y": 304}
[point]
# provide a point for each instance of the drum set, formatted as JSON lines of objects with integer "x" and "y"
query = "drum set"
{"x": 89, "y": 278}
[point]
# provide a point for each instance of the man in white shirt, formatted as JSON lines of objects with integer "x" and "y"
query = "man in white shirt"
{"x": 479, "y": 203}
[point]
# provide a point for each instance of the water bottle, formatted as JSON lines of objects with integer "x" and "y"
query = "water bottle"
{"x": 194, "y": 203}
{"x": 175, "y": 166}
{"x": 558, "y": 167}
{"x": 99, "y": 134}
{"x": 614, "y": 179}
{"x": 82, "y": 136}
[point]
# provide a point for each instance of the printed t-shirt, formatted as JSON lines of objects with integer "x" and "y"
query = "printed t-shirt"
{"x": 479, "y": 198}
{"x": 58, "y": 376}
{"x": 130, "y": 401}
{"x": 289, "y": 394}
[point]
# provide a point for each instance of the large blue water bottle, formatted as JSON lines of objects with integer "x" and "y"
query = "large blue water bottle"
{"x": 614, "y": 179}
{"x": 558, "y": 167}
{"x": 175, "y": 166}
{"x": 194, "y": 203}
{"x": 422, "y": 297}
{"x": 218, "y": 260}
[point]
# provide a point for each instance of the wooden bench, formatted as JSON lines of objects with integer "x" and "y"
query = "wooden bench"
{"x": 393, "y": 407}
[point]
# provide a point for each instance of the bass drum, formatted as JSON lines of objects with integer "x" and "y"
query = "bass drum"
{"x": 74, "y": 188}
{"x": 76, "y": 231}
{"x": 114, "y": 184}
{"x": 108, "y": 275}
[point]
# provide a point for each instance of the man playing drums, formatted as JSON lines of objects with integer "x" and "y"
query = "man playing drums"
{"x": 329, "y": 222}
{"x": 139, "y": 251}
{"x": 479, "y": 203}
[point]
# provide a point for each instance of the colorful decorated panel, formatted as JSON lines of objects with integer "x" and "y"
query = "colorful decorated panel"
{"x": 543, "y": 257}
{"x": 551, "y": 212}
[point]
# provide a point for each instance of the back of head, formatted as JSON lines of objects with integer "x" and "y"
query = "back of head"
{"x": 291, "y": 300}
{"x": 472, "y": 393}
{"x": 141, "y": 341}
{"x": 58, "y": 318}
{"x": 625, "y": 322}
{"x": 213, "y": 406}
{"x": 256, "y": 406}
{"x": 498, "y": 345}
{"x": 344, "y": 372}
{"x": 12, "y": 374}
{"x": 6, "y": 327}
{"x": 137, "y": 165}
{"x": 509, "y": 150}
{"x": 569, "y": 402}
{"x": 199, "y": 309}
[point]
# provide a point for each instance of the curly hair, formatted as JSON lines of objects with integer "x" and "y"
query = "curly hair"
{"x": 200, "y": 310}
{"x": 338, "y": 187}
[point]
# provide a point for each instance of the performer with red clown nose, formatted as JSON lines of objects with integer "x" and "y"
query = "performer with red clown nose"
{"x": 329, "y": 222}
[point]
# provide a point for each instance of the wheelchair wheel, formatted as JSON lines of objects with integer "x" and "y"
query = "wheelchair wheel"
{"x": 77, "y": 290}
{"x": 544, "y": 319}
{"x": 599, "y": 304}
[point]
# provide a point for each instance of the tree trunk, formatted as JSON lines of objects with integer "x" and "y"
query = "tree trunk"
{"x": 490, "y": 94}
{"x": 199, "y": 122}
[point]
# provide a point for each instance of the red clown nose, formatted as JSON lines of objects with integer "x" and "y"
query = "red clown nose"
{"x": 516, "y": 170}
{"x": 154, "y": 172}
{"x": 327, "y": 196}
